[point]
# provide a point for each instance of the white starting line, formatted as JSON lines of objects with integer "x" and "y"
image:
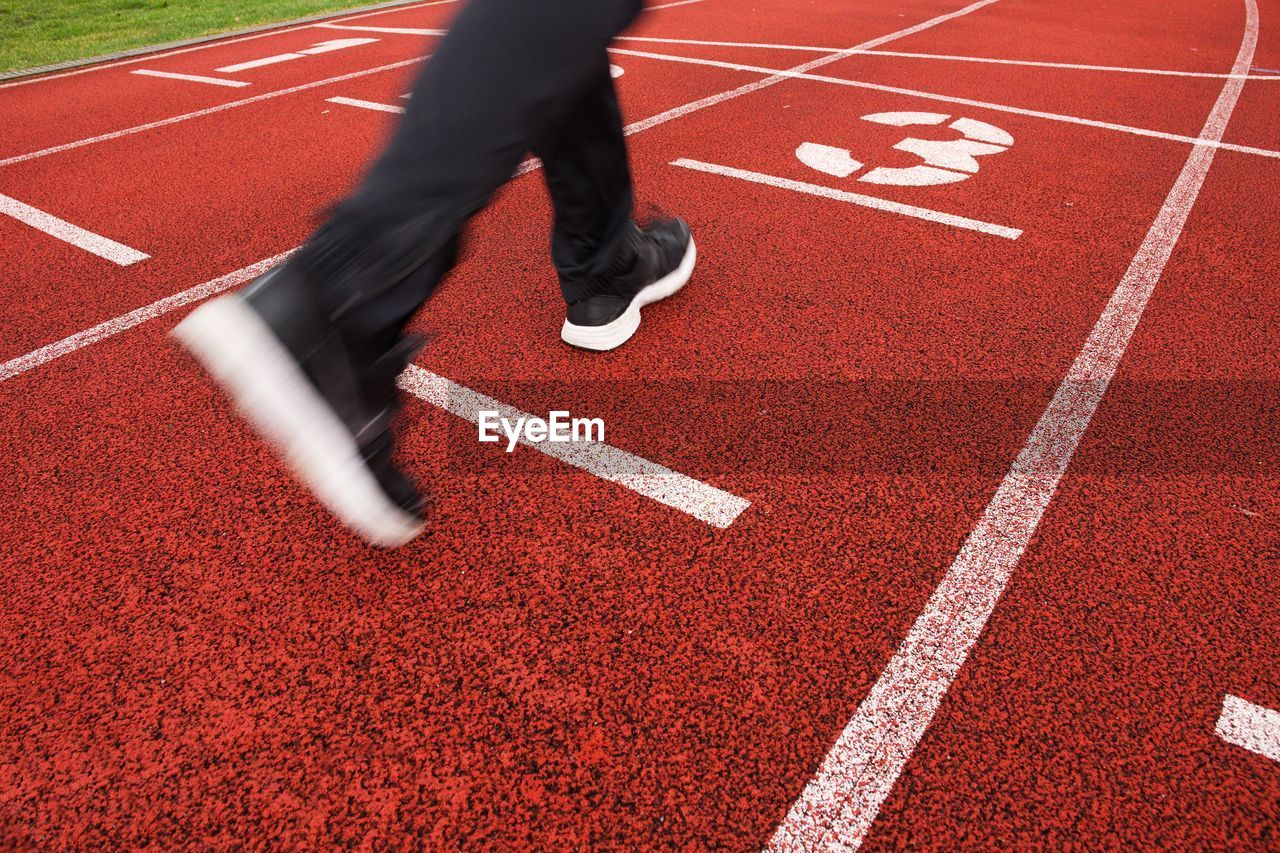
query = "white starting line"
{"x": 366, "y": 105}
{"x": 96, "y": 244}
{"x": 853, "y": 198}
{"x": 694, "y": 497}
{"x": 191, "y": 78}
{"x": 1250, "y": 727}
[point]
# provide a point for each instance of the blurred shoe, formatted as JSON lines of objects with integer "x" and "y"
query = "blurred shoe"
{"x": 288, "y": 370}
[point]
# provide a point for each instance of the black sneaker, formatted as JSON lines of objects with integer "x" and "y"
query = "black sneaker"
{"x": 664, "y": 260}
{"x": 288, "y": 370}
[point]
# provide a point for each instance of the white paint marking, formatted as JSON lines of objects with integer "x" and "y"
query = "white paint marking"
{"x": 314, "y": 50}
{"x": 700, "y": 500}
{"x": 124, "y": 322}
{"x": 616, "y": 71}
{"x": 259, "y": 63}
{"x": 853, "y": 198}
{"x": 1071, "y": 66}
{"x": 670, "y": 5}
{"x": 266, "y": 96}
{"x": 1250, "y": 726}
{"x": 96, "y": 244}
{"x": 827, "y": 159}
{"x": 148, "y": 57}
{"x": 404, "y": 31}
{"x": 780, "y": 74}
{"x": 1261, "y": 73}
{"x": 839, "y": 804}
{"x": 336, "y": 44}
{"x": 192, "y": 78}
{"x": 366, "y": 105}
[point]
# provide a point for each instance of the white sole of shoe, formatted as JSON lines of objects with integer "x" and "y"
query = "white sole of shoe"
{"x": 617, "y": 332}
{"x": 269, "y": 388}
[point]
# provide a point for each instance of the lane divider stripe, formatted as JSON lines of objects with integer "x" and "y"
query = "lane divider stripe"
{"x": 96, "y": 244}
{"x": 1265, "y": 73}
{"x": 853, "y": 198}
{"x": 137, "y": 317}
{"x": 406, "y": 31}
{"x": 986, "y": 105}
{"x": 838, "y": 805}
{"x": 671, "y": 488}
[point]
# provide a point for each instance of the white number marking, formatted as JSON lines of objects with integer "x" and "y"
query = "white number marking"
{"x": 944, "y": 161}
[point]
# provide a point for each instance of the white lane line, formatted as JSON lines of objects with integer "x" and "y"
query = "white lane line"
{"x": 839, "y": 804}
{"x": 986, "y": 105}
{"x": 1250, "y": 726}
{"x": 366, "y": 105}
{"x": 1072, "y": 66}
{"x": 149, "y": 57}
{"x": 670, "y": 5}
{"x": 266, "y": 96}
{"x": 700, "y": 500}
{"x": 124, "y": 322}
{"x": 405, "y": 31}
{"x": 809, "y": 48}
{"x": 192, "y": 78}
{"x": 853, "y": 198}
{"x": 694, "y": 497}
{"x": 96, "y": 244}
{"x": 778, "y": 76}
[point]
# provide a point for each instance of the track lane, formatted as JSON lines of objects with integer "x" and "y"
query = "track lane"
{"x": 1088, "y": 711}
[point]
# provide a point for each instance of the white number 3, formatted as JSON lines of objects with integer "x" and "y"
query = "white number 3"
{"x": 945, "y": 161}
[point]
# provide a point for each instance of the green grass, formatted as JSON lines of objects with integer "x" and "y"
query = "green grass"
{"x": 40, "y": 32}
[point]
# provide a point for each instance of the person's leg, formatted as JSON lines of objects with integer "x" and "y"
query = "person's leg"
{"x": 608, "y": 267}
{"x": 584, "y": 160}
{"x": 507, "y": 72}
{"x": 310, "y": 351}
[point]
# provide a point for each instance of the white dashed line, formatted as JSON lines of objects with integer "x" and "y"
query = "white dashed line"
{"x": 853, "y": 198}
{"x": 95, "y": 244}
{"x": 836, "y": 809}
{"x": 191, "y": 78}
{"x": 1250, "y": 727}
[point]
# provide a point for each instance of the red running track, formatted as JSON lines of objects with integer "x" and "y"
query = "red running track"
{"x": 197, "y": 655}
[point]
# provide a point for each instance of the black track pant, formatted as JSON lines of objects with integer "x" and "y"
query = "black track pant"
{"x": 511, "y": 76}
